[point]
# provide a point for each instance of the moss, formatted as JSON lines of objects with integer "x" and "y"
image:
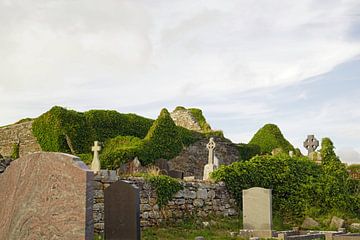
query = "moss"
{"x": 247, "y": 151}
{"x": 163, "y": 139}
{"x": 120, "y": 150}
{"x": 270, "y": 137}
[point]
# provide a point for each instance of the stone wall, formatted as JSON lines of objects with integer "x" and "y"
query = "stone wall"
{"x": 193, "y": 158}
{"x": 183, "y": 118}
{"x": 18, "y": 133}
{"x": 197, "y": 197}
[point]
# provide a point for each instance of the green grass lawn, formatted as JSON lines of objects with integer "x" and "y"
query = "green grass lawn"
{"x": 219, "y": 228}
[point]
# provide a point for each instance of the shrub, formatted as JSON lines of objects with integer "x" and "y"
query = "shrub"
{"x": 162, "y": 140}
{"x": 119, "y": 150}
{"x": 165, "y": 188}
{"x": 270, "y": 137}
{"x": 187, "y": 136}
{"x": 15, "y": 153}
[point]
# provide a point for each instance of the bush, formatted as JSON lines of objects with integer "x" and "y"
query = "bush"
{"x": 165, "y": 188}
{"x": 162, "y": 140}
{"x": 187, "y": 136}
{"x": 270, "y": 137}
{"x": 120, "y": 150}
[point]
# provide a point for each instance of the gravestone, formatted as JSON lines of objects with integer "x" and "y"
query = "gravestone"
{"x": 163, "y": 165}
{"x": 311, "y": 143}
{"x": 95, "y": 165}
{"x": 257, "y": 211}
{"x": 176, "y": 174}
{"x": 46, "y": 196}
{"x": 122, "y": 211}
{"x": 210, "y": 166}
{"x": 134, "y": 166}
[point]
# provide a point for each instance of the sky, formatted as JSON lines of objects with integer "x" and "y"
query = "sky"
{"x": 244, "y": 63}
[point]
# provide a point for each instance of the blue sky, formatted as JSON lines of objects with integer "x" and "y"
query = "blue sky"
{"x": 245, "y": 63}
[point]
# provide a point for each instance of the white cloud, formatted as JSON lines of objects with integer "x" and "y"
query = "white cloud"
{"x": 349, "y": 155}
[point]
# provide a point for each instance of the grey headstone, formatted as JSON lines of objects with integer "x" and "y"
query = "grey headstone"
{"x": 176, "y": 174}
{"x": 163, "y": 165}
{"x": 257, "y": 209}
{"x": 122, "y": 211}
{"x": 311, "y": 143}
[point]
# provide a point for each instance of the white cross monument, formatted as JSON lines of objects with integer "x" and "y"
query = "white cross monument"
{"x": 210, "y": 167}
{"x": 95, "y": 165}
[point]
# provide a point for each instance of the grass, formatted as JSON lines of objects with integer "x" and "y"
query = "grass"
{"x": 219, "y": 228}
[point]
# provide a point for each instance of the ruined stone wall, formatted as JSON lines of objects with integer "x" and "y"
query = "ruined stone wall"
{"x": 193, "y": 158}
{"x": 18, "y": 133}
{"x": 183, "y": 118}
{"x": 197, "y": 197}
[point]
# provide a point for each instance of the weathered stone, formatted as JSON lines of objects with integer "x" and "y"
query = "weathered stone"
{"x": 337, "y": 223}
{"x": 200, "y": 238}
{"x": 257, "y": 209}
{"x": 189, "y": 194}
{"x": 48, "y": 196}
{"x": 309, "y": 223}
{"x": 122, "y": 211}
{"x": 202, "y": 194}
{"x": 355, "y": 226}
{"x": 198, "y": 202}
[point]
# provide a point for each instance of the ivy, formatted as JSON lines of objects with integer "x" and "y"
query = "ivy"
{"x": 270, "y": 137}
{"x": 15, "y": 153}
{"x": 165, "y": 188}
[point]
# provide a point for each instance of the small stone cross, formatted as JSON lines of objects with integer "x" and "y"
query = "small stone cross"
{"x": 211, "y": 146}
{"x": 311, "y": 143}
{"x": 95, "y": 165}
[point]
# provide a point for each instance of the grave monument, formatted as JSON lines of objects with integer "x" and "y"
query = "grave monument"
{"x": 95, "y": 165}
{"x": 210, "y": 166}
{"x": 122, "y": 211}
{"x": 257, "y": 212}
{"x": 311, "y": 143}
{"x": 46, "y": 196}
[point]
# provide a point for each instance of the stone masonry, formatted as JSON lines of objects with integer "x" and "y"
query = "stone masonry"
{"x": 193, "y": 158}
{"x": 184, "y": 118}
{"x": 18, "y": 133}
{"x": 197, "y": 197}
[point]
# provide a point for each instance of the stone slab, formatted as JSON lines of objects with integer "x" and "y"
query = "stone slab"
{"x": 122, "y": 211}
{"x": 46, "y": 196}
{"x": 257, "y": 209}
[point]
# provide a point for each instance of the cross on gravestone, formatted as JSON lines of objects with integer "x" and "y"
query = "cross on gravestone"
{"x": 311, "y": 143}
{"x": 211, "y": 146}
{"x": 210, "y": 167}
{"x": 95, "y": 165}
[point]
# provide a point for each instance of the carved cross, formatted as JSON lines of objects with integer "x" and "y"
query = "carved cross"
{"x": 211, "y": 146}
{"x": 311, "y": 143}
{"x": 95, "y": 165}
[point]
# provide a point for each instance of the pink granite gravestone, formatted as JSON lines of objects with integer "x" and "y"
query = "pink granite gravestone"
{"x": 46, "y": 196}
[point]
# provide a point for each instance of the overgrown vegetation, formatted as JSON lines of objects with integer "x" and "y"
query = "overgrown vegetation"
{"x": 300, "y": 187}
{"x": 269, "y": 137}
{"x": 165, "y": 188}
{"x": 198, "y": 115}
{"x": 247, "y": 151}
{"x": 15, "y": 153}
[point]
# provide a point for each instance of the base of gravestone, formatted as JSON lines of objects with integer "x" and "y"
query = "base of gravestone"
{"x": 249, "y": 233}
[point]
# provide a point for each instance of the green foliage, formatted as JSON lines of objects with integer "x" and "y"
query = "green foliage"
{"x": 59, "y": 130}
{"x": 62, "y": 130}
{"x": 24, "y": 120}
{"x": 162, "y": 140}
{"x": 247, "y": 151}
{"x": 108, "y": 124}
{"x": 187, "y": 136}
{"x": 165, "y": 188}
{"x": 15, "y": 153}
{"x": 119, "y": 150}
{"x": 270, "y": 137}
{"x": 296, "y": 184}
{"x": 335, "y": 180}
{"x": 86, "y": 158}
{"x": 198, "y": 115}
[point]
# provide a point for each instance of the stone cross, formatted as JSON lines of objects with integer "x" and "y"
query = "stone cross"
{"x": 95, "y": 165}
{"x": 211, "y": 146}
{"x": 311, "y": 143}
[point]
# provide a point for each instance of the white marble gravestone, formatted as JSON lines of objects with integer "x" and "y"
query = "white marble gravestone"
{"x": 210, "y": 167}
{"x": 95, "y": 165}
